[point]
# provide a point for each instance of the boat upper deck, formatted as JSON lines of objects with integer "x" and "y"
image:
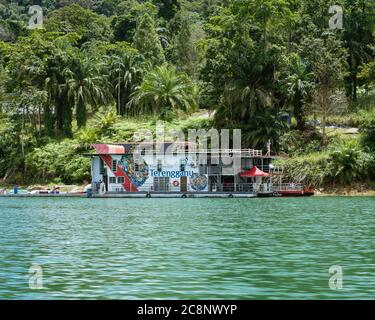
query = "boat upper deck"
{"x": 173, "y": 148}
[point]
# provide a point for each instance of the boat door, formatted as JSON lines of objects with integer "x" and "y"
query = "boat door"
{"x": 228, "y": 183}
{"x": 183, "y": 184}
{"x": 105, "y": 180}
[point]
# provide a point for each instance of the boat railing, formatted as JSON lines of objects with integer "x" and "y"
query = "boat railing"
{"x": 222, "y": 152}
{"x": 244, "y": 152}
{"x": 231, "y": 187}
{"x": 212, "y": 187}
{"x": 276, "y": 170}
{"x": 214, "y": 170}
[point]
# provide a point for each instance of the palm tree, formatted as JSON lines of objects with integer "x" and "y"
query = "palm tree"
{"x": 267, "y": 125}
{"x": 85, "y": 85}
{"x": 125, "y": 73}
{"x": 54, "y": 84}
{"x": 251, "y": 85}
{"x": 164, "y": 91}
{"x": 299, "y": 83}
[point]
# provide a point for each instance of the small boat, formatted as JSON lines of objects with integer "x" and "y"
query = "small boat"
{"x": 296, "y": 193}
{"x": 19, "y": 191}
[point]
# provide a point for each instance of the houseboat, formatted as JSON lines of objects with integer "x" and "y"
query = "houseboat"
{"x": 162, "y": 170}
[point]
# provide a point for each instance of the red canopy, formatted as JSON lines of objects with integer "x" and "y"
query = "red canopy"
{"x": 109, "y": 149}
{"x": 254, "y": 172}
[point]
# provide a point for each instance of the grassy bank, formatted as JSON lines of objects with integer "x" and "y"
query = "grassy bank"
{"x": 343, "y": 162}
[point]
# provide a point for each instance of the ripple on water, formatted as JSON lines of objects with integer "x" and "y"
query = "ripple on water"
{"x": 187, "y": 249}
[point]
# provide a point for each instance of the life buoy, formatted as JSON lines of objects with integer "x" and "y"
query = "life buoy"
{"x": 184, "y": 195}
{"x": 176, "y": 183}
{"x": 230, "y": 196}
{"x": 148, "y": 195}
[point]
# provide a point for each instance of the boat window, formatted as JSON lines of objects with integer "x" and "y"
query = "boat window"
{"x": 246, "y": 164}
{"x": 182, "y": 165}
{"x": 159, "y": 166}
{"x": 101, "y": 165}
{"x": 120, "y": 180}
{"x": 161, "y": 184}
{"x": 202, "y": 169}
{"x": 114, "y": 165}
{"x": 112, "y": 179}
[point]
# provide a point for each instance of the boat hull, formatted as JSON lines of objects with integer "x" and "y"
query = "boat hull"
{"x": 296, "y": 193}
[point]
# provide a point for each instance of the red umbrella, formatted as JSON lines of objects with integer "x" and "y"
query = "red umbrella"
{"x": 254, "y": 172}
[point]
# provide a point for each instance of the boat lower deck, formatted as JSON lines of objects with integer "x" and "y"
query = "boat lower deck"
{"x": 176, "y": 195}
{"x": 145, "y": 195}
{"x": 167, "y": 195}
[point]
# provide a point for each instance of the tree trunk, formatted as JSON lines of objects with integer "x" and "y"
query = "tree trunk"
{"x": 315, "y": 119}
{"x": 67, "y": 125}
{"x": 119, "y": 106}
{"x": 324, "y": 126}
{"x": 298, "y": 113}
{"x": 355, "y": 84}
{"x": 8, "y": 173}
{"x": 48, "y": 121}
{"x": 123, "y": 102}
{"x": 81, "y": 113}
{"x": 59, "y": 114}
{"x": 39, "y": 121}
{"x": 325, "y": 104}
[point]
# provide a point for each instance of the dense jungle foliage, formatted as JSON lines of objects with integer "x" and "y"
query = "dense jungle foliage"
{"x": 99, "y": 70}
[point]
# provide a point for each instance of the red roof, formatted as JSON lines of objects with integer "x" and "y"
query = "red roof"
{"x": 109, "y": 149}
{"x": 254, "y": 172}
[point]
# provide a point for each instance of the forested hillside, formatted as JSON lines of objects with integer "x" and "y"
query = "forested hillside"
{"x": 280, "y": 70}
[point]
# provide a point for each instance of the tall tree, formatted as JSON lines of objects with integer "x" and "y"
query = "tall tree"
{"x": 326, "y": 57}
{"x": 359, "y": 25}
{"x": 125, "y": 72}
{"x": 147, "y": 41}
{"x": 86, "y": 85}
{"x": 185, "y": 54}
{"x": 124, "y": 23}
{"x": 298, "y": 81}
{"x": 84, "y": 22}
{"x": 167, "y": 8}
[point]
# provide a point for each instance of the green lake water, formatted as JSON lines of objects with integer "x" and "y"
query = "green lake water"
{"x": 187, "y": 248}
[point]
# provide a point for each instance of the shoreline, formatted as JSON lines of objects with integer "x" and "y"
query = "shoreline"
{"x": 357, "y": 191}
{"x": 75, "y": 191}
{"x": 345, "y": 192}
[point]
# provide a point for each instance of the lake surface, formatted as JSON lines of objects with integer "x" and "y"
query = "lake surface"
{"x": 187, "y": 248}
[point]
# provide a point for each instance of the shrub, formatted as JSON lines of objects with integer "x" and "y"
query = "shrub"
{"x": 367, "y": 130}
{"x": 59, "y": 159}
{"x": 346, "y": 162}
{"x": 313, "y": 170}
{"x": 296, "y": 142}
{"x": 343, "y": 163}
